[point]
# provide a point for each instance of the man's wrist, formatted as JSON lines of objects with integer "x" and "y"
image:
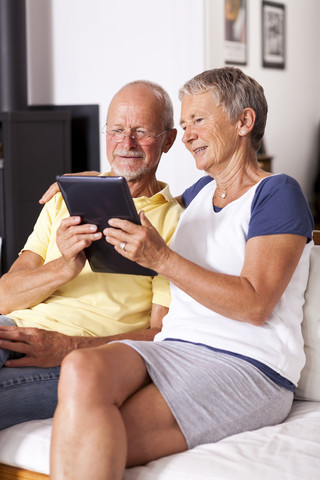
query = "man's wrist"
{"x": 77, "y": 342}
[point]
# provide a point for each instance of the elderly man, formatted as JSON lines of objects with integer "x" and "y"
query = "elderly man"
{"x": 50, "y": 300}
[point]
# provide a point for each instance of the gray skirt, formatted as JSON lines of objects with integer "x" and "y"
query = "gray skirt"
{"x": 212, "y": 395}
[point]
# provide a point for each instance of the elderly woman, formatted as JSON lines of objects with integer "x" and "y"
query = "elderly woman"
{"x": 230, "y": 352}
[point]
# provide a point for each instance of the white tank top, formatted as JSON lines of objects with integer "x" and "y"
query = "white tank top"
{"x": 217, "y": 241}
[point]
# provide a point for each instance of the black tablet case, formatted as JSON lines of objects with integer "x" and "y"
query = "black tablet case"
{"x": 96, "y": 200}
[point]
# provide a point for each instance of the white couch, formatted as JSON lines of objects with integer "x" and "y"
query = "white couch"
{"x": 290, "y": 451}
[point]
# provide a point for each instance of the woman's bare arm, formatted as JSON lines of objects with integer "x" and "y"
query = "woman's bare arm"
{"x": 269, "y": 264}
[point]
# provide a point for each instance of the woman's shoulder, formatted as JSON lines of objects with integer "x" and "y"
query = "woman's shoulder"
{"x": 277, "y": 188}
{"x": 277, "y": 180}
{"x": 280, "y": 206}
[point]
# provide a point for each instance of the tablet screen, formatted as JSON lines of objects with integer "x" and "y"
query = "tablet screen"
{"x": 96, "y": 200}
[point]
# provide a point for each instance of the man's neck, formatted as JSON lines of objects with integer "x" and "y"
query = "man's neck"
{"x": 144, "y": 186}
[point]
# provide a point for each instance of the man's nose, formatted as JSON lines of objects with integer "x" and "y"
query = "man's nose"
{"x": 129, "y": 140}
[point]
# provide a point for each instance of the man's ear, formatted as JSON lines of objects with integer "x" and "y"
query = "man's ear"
{"x": 170, "y": 138}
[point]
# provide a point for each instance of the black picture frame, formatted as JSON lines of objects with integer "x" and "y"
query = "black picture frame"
{"x": 273, "y": 35}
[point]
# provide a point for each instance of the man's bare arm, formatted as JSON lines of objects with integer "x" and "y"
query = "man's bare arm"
{"x": 53, "y": 189}
{"x": 30, "y": 281}
{"x": 47, "y": 349}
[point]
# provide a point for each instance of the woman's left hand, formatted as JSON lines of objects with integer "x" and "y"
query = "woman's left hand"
{"x": 139, "y": 243}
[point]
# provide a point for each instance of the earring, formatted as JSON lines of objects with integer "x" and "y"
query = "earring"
{"x": 243, "y": 132}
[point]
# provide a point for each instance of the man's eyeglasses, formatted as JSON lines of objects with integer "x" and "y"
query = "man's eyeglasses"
{"x": 139, "y": 136}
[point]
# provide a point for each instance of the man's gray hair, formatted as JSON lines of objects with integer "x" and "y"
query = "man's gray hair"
{"x": 163, "y": 97}
{"x": 234, "y": 91}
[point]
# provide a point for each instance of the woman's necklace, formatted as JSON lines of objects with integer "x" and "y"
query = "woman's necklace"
{"x": 223, "y": 195}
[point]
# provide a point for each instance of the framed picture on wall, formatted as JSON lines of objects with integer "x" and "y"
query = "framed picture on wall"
{"x": 273, "y": 34}
{"x": 235, "y": 39}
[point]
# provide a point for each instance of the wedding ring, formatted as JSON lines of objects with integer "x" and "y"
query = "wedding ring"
{"x": 123, "y": 246}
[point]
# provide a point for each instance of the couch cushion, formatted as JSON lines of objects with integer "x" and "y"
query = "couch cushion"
{"x": 27, "y": 445}
{"x": 309, "y": 384}
{"x": 289, "y": 451}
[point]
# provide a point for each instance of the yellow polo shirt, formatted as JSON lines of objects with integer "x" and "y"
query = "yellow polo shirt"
{"x": 99, "y": 304}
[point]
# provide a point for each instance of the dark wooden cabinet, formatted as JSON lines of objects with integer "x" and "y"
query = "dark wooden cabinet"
{"x": 35, "y": 147}
{"x": 265, "y": 162}
{"x": 37, "y": 144}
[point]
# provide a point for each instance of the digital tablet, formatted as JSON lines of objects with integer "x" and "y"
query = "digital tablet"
{"x": 96, "y": 200}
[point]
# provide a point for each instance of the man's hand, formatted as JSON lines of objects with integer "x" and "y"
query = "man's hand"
{"x": 40, "y": 347}
{"x": 48, "y": 194}
{"x": 54, "y": 188}
{"x": 72, "y": 238}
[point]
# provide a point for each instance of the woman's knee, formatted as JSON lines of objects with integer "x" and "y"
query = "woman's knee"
{"x": 77, "y": 375}
{"x": 85, "y": 374}
{"x": 110, "y": 374}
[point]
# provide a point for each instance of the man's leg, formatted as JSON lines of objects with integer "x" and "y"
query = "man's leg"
{"x": 92, "y": 434}
{"x": 28, "y": 393}
{"x": 5, "y": 354}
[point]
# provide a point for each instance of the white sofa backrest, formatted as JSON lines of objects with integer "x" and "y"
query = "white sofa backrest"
{"x": 309, "y": 383}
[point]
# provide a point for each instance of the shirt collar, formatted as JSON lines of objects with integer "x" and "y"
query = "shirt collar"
{"x": 159, "y": 197}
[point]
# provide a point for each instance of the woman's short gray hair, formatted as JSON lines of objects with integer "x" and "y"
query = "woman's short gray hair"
{"x": 163, "y": 97}
{"x": 234, "y": 91}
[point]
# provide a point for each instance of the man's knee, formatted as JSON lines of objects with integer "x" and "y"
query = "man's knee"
{"x": 5, "y": 354}
{"x": 6, "y": 321}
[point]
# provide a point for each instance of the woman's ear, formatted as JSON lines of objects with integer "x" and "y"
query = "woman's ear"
{"x": 246, "y": 121}
{"x": 170, "y": 138}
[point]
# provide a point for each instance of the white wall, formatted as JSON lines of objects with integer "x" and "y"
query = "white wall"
{"x": 293, "y": 94}
{"x": 83, "y": 51}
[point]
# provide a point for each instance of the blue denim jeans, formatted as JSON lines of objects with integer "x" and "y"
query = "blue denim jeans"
{"x": 26, "y": 393}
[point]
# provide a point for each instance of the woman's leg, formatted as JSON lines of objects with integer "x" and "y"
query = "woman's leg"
{"x": 88, "y": 437}
{"x": 152, "y": 430}
{"x": 92, "y": 434}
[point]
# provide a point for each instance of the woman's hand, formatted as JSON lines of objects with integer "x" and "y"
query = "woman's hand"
{"x": 139, "y": 243}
